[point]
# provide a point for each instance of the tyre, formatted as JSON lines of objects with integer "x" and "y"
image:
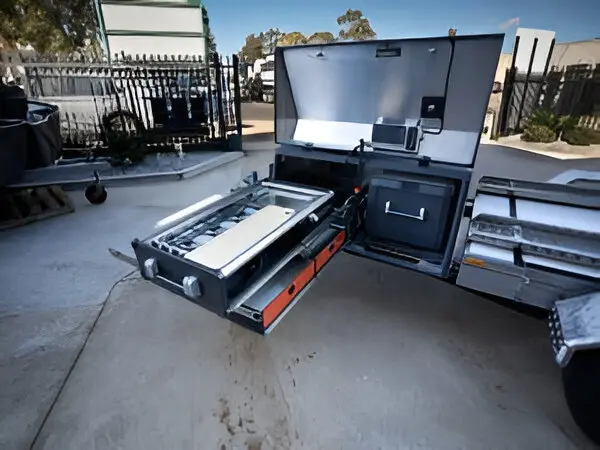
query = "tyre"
{"x": 581, "y": 381}
{"x": 96, "y": 194}
{"x": 116, "y": 120}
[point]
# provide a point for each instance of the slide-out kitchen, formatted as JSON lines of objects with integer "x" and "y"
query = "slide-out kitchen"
{"x": 377, "y": 143}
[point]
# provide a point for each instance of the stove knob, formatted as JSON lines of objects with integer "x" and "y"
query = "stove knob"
{"x": 191, "y": 287}
{"x": 150, "y": 269}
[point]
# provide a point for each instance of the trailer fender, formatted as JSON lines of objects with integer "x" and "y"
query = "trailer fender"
{"x": 575, "y": 326}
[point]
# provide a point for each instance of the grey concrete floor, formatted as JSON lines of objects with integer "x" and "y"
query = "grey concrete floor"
{"x": 55, "y": 275}
{"x": 348, "y": 368}
{"x": 369, "y": 359}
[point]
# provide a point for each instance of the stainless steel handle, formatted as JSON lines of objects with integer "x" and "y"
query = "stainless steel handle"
{"x": 190, "y": 285}
{"x": 421, "y": 215}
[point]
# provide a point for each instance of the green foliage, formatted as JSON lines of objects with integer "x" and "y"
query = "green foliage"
{"x": 210, "y": 39}
{"x": 567, "y": 123}
{"x": 49, "y": 26}
{"x": 270, "y": 39}
{"x": 252, "y": 49}
{"x": 563, "y": 127}
{"x": 293, "y": 38}
{"x": 254, "y": 87}
{"x": 543, "y": 118}
{"x": 581, "y": 136}
{"x": 212, "y": 44}
{"x": 538, "y": 133}
{"x": 321, "y": 37}
{"x": 355, "y": 27}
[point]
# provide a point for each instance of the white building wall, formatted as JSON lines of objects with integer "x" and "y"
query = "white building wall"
{"x": 143, "y": 28}
{"x": 152, "y": 18}
{"x": 157, "y": 45}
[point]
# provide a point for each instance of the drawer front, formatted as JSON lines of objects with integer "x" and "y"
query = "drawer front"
{"x": 284, "y": 255}
{"x": 181, "y": 277}
{"x": 277, "y": 295}
{"x": 409, "y": 212}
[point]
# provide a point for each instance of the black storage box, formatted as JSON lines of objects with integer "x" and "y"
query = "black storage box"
{"x": 409, "y": 209}
{"x": 13, "y": 151}
{"x": 13, "y": 102}
{"x": 44, "y": 141}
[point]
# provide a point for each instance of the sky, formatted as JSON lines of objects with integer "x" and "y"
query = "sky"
{"x": 572, "y": 20}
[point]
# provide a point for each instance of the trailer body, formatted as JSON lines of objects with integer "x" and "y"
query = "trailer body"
{"x": 377, "y": 144}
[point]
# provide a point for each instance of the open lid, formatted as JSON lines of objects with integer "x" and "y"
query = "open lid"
{"x": 420, "y": 97}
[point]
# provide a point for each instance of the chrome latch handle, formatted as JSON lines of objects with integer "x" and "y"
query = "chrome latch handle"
{"x": 421, "y": 216}
{"x": 190, "y": 285}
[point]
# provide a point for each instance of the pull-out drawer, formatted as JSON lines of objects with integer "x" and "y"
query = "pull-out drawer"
{"x": 247, "y": 256}
{"x": 409, "y": 209}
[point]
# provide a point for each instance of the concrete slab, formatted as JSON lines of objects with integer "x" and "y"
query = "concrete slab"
{"x": 57, "y": 273}
{"x": 165, "y": 167}
{"x": 37, "y": 351}
{"x": 559, "y": 150}
{"x": 61, "y": 269}
{"x": 372, "y": 357}
{"x": 258, "y": 127}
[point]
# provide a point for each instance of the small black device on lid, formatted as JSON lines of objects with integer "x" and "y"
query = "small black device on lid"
{"x": 395, "y": 137}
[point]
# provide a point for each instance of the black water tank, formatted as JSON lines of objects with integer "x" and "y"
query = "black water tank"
{"x": 13, "y": 150}
{"x": 13, "y": 103}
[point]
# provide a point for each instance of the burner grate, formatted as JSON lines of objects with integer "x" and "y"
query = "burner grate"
{"x": 203, "y": 231}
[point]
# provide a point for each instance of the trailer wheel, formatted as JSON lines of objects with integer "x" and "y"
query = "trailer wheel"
{"x": 96, "y": 194}
{"x": 582, "y": 391}
{"x": 115, "y": 120}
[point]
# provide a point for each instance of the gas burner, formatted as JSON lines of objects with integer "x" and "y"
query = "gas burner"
{"x": 227, "y": 224}
{"x": 202, "y": 239}
{"x": 203, "y": 231}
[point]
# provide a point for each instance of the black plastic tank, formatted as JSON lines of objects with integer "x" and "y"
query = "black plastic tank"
{"x": 13, "y": 150}
{"x": 13, "y": 102}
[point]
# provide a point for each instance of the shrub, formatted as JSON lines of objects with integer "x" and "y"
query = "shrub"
{"x": 544, "y": 118}
{"x": 567, "y": 123}
{"x": 595, "y": 136}
{"x": 581, "y": 136}
{"x": 538, "y": 133}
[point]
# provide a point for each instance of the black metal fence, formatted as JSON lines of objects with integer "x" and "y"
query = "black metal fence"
{"x": 169, "y": 100}
{"x": 566, "y": 91}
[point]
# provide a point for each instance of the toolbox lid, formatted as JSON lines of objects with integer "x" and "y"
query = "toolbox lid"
{"x": 330, "y": 96}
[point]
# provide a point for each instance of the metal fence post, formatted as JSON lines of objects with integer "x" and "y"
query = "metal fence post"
{"x": 526, "y": 85}
{"x": 507, "y": 92}
{"x": 219, "y": 87}
{"x": 237, "y": 94}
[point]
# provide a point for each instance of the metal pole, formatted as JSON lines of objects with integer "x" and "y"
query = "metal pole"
{"x": 545, "y": 74}
{"x": 507, "y": 93}
{"x": 219, "y": 87}
{"x": 526, "y": 85}
{"x": 237, "y": 94}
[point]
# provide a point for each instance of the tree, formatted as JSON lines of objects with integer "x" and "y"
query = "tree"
{"x": 355, "y": 27}
{"x": 48, "y": 25}
{"x": 212, "y": 43}
{"x": 270, "y": 39}
{"x": 252, "y": 49}
{"x": 321, "y": 37}
{"x": 293, "y": 38}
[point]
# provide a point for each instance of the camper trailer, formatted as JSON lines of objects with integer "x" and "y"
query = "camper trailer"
{"x": 377, "y": 142}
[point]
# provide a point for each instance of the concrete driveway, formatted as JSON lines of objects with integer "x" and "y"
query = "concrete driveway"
{"x": 373, "y": 357}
